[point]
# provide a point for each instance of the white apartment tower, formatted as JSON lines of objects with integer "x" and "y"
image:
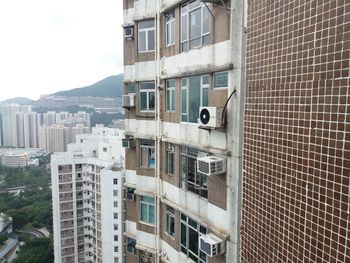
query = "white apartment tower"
{"x": 87, "y": 198}
{"x": 12, "y": 125}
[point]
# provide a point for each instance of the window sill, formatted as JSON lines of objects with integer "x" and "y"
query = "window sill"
{"x": 146, "y": 224}
{"x": 170, "y": 236}
{"x": 148, "y": 168}
{"x": 145, "y": 52}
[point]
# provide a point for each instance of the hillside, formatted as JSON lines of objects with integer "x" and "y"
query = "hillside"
{"x": 109, "y": 87}
{"x": 17, "y": 100}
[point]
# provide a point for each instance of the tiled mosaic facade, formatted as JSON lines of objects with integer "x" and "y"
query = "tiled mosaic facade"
{"x": 296, "y": 192}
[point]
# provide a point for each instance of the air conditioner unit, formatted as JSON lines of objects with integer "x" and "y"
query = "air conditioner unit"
{"x": 128, "y": 101}
{"x": 210, "y": 117}
{"x": 128, "y": 143}
{"x": 130, "y": 196}
{"x": 212, "y": 245}
{"x": 128, "y": 32}
{"x": 211, "y": 165}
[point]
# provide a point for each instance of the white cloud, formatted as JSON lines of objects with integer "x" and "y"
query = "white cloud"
{"x": 46, "y": 46}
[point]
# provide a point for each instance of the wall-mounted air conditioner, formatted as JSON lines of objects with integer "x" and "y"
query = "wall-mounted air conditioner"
{"x": 128, "y": 101}
{"x": 212, "y": 245}
{"x": 130, "y": 196}
{"x": 210, "y": 117}
{"x": 211, "y": 165}
{"x": 128, "y": 143}
{"x": 128, "y": 32}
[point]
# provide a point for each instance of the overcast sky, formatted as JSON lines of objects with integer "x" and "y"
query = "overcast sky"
{"x": 53, "y": 45}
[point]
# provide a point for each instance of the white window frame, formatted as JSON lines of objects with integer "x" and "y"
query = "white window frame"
{"x": 147, "y": 91}
{"x": 170, "y": 91}
{"x": 203, "y": 87}
{"x": 187, "y": 225}
{"x": 186, "y": 89}
{"x": 169, "y": 215}
{"x": 148, "y": 205}
{"x": 145, "y": 144}
{"x": 170, "y": 151}
{"x": 146, "y": 30}
{"x": 168, "y": 28}
{"x": 186, "y": 12}
{"x": 228, "y": 80}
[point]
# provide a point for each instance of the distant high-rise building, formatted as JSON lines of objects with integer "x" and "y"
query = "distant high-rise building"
{"x": 87, "y": 199}
{"x": 31, "y": 124}
{"x": 12, "y": 127}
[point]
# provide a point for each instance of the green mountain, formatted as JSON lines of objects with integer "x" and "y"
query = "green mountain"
{"x": 17, "y": 100}
{"x": 109, "y": 87}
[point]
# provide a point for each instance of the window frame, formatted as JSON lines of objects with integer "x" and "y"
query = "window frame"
{"x": 147, "y": 144}
{"x": 220, "y": 87}
{"x": 185, "y": 88}
{"x": 146, "y": 30}
{"x": 170, "y": 21}
{"x": 195, "y": 186}
{"x": 148, "y": 205}
{"x": 147, "y": 91}
{"x": 133, "y": 85}
{"x": 188, "y": 223}
{"x": 185, "y": 11}
{"x": 170, "y": 215}
{"x": 170, "y": 150}
{"x": 170, "y": 93}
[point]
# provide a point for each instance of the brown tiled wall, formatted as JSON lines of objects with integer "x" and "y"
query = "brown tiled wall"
{"x": 297, "y": 132}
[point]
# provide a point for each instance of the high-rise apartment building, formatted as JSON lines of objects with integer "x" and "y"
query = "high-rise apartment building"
{"x": 87, "y": 203}
{"x": 55, "y": 138}
{"x": 12, "y": 126}
{"x": 191, "y": 69}
{"x": 183, "y": 100}
{"x": 297, "y": 132}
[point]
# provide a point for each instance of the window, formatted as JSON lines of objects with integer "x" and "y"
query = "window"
{"x": 115, "y": 204}
{"x": 147, "y": 154}
{"x": 190, "y": 233}
{"x": 170, "y": 28}
{"x": 147, "y": 209}
{"x": 115, "y": 226}
{"x": 147, "y": 96}
{"x": 194, "y": 25}
{"x": 194, "y": 93}
{"x": 192, "y": 180}
{"x": 115, "y": 215}
{"x": 221, "y": 79}
{"x": 104, "y": 149}
{"x": 115, "y": 192}
{"x": 131, "y": 88}
{"x": 170, "y": 95}
{"x": 146, "y": 35}
{"x": 130, "y": 247}
{"x": 115, "y": 238}
{"x": 115, "y": 181}
{"x": 116, "y": 249}
{"x": 146, "y": 257}
{"x": 170, "y": 156}
{"x": 170, "y": 221}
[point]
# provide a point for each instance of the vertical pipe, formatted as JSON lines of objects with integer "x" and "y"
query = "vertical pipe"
{"x": 158, "y": 132}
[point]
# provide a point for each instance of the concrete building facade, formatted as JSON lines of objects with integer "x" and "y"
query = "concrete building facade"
{"x": 87, "y": 198}
{"x": 180, "y": 56}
